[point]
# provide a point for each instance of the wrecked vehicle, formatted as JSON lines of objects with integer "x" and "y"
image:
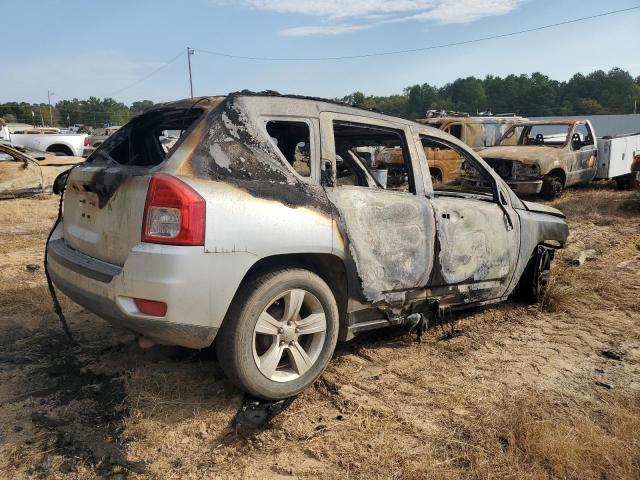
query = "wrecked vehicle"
{"x": 548, "y": 156}
{"x": 45, "y": 140}
{"x": 477, "y": 132}
{"x": 21, "y": 174}
{"x": 264, "y": 230}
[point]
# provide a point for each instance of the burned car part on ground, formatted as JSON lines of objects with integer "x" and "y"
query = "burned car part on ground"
{"x": 544, "y": 157}
{"x": 277, "y": 225}
{"x": 21, "y": 174}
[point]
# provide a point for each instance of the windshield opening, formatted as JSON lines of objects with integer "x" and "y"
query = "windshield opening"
{"x": 550, "y": 135}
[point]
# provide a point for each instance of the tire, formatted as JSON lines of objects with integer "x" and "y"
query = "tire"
{"x": 249, "y": 341}
{"x": 623, "y": 182}
{"x": 535, "y": 279}
{"x": 552, "y": 186}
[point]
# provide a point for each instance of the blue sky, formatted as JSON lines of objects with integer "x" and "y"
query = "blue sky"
{"x": 78, "y": 48}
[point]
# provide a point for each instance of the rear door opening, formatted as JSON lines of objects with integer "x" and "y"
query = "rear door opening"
{"x": 105, "y": 197}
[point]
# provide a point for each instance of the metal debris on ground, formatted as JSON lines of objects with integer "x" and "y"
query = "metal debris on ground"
{"x": 256, "y": 413}
{"x": 608, "y": 386}
{"x": 613, "y": 355}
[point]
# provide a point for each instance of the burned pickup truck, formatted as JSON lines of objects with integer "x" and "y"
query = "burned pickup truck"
{"x": 269, "y": 229}
{"x": 547, "y": 156}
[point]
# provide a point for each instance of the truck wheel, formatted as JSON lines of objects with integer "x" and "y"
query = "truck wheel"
{"x": 623, "y": 182}
{"x": 279, "y": 334}
{"x": 535, "y": 278}
{"x": 552, "y": 186}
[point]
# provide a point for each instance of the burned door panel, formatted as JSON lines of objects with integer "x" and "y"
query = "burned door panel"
{"x": 389, "y": 236}
{"x": 476, "y": 247}
{"x": 387, "y": 228}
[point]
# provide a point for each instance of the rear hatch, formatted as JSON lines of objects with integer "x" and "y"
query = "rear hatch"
{"x": 105, "y": 196}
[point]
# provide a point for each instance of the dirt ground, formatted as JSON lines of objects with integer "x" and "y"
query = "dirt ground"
{"x": 512, "y": 391}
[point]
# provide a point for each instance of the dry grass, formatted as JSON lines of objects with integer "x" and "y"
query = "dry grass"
{"x": 597, "y": 205}
{"x": 538, "y": 436}
{"x": 513, "y": 396}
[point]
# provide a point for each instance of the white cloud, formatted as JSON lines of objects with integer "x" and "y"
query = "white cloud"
{"x": 457, "y": 11}
{"x": 323, "y": 30}
{"x": 365, "y": 14}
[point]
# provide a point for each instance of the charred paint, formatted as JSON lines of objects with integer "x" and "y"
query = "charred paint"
{"x": 389, "y": 238}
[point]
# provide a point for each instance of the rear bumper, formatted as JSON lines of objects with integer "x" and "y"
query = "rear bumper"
{"x": 196, "y": 286}
{"x": 531, "y": 187}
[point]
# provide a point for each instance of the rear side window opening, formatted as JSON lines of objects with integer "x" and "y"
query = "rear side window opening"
{"x": 293, "y": 139}
{"x": 147, "y": 140}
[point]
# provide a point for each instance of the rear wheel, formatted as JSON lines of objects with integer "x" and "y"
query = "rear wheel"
{"x": 279, "y": 334}
{"x": 623, "y": 182}
{"x": 552, "y": 186}
{"x": 60, "y": 150}
{"x": 535, "y": 279}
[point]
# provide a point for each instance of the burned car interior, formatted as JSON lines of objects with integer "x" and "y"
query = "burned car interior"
{"x": 140, "y": 143}
{"x": 471, "y": 179}
{"x": 293, "y": 140}
{"x": 361, "y": 148}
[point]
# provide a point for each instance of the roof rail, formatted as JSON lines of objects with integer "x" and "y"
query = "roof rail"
{"x": 452, "y": 113}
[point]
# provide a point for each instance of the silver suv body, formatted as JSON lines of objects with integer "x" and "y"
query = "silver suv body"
{"x": 274, "y": 227}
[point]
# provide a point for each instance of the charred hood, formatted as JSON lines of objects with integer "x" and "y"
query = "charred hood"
{"x": 524, "y": 154}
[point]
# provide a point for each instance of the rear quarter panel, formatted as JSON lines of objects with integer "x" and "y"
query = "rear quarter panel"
{"x": 240, "y": 222}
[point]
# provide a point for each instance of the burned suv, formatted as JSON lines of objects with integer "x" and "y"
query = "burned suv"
{"x": 272, "y": 229}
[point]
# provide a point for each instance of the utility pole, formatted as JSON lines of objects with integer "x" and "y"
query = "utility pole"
{"x": 49, "y": 95}
{"x": 190, "y": 52}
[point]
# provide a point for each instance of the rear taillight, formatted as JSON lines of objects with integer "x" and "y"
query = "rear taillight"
{"x": 86, "y": 141}
{"x": 174, "y": 213}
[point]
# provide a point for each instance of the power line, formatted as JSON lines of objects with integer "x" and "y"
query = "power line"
{"x": 137, "y": 82}
{"x": 413, "y": 50}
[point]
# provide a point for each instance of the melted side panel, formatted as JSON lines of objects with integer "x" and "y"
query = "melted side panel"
{"x": 389, "y": 237}
{"x": 537, "y": 228}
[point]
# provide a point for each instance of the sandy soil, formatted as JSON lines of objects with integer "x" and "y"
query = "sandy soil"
{"x": 512, "y": 391}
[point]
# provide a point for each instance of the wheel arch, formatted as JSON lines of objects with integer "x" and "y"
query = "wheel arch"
{"x": 330, "y": 268}
{"x": 60, "y": 148}
{"x": 560, "y": 173}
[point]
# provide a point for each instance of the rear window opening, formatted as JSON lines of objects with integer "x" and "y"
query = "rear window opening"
{"x": 293, "y": 140}
{"x": 147, "y": 140}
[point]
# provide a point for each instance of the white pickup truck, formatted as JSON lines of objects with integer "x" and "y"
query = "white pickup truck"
{"x": 43, "y": 141}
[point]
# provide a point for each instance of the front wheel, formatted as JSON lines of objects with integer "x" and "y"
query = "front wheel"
{"x": 279, "y": 334}
{"x": 552, "y": 186}
{"x": 535, "y": 279}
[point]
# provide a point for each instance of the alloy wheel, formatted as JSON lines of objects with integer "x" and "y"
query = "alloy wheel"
{"x": 289, "y": 335}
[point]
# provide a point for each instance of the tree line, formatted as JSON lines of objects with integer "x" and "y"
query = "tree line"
{"x": 536, "y": 95}
{"x": 93, "y": 112}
